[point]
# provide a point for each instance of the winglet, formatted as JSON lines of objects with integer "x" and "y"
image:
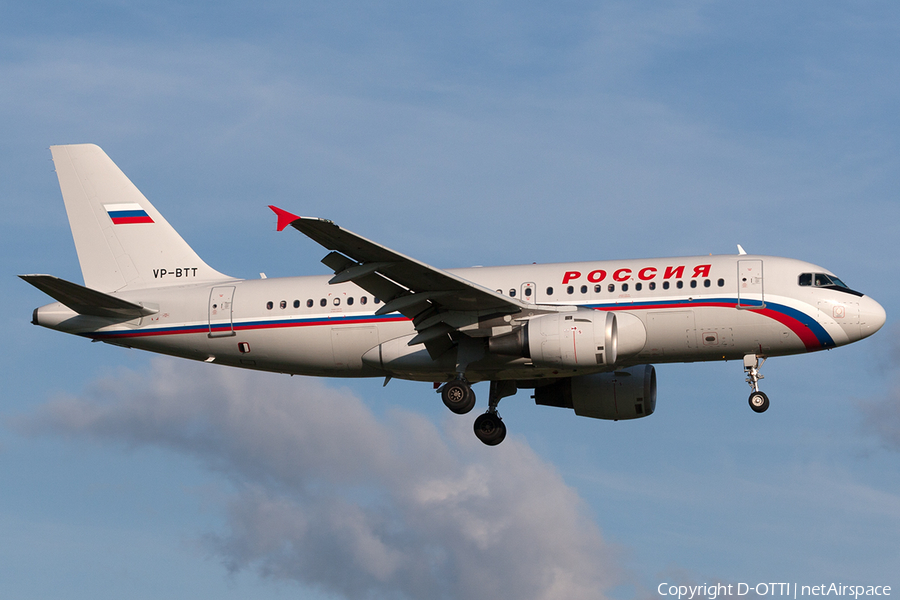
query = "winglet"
{"x": 284, "y": 217}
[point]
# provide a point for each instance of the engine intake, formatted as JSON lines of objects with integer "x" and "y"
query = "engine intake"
{"x": 625, "y": 394}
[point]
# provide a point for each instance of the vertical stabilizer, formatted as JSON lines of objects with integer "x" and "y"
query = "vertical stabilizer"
{"x": 121, "y": 239}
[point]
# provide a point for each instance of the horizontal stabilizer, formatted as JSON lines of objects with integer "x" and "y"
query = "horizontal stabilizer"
{"x": 86, "y": 301}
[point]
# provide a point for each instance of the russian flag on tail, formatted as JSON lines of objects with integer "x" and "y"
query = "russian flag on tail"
{"x": 122, "y": 214}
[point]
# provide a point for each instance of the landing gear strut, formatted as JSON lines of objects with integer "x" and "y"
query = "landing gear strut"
{"x": 759, "y": 402}
{"x": 489, "y": 427}
{"x": 457, "y": 394}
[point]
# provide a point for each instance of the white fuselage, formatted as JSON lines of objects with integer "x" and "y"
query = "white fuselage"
{"x": 670, "y": 310}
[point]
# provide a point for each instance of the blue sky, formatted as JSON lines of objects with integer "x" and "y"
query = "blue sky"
{"x": 472, "y": 133}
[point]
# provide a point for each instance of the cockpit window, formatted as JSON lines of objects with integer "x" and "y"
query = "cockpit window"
{"x": 823, "y": 280}
{"x": 820, "y": 280}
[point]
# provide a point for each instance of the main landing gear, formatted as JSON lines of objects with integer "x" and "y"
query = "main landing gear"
{"x": 489, "y": 427}
{"x": 459, "y": 398}
{"x": 758, "y": 400}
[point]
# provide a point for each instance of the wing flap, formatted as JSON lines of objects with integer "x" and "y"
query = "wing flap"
{"x": 355, "y": 272}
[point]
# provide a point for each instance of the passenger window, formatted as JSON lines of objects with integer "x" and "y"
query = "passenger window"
{"x": 706, "y": 283}
{"x": 805, "y": 279}
{"x": 665, "y": 285}
{"x": 364, "y": 299}
{"x": 570, "y": 290}
{"x": 323, "y": 302}
{"x": 638, "y": 286}
{"x": 652, "y": 285}
{"x": 679, "y": 284}
{"x": 598, "y": 288}
{"x": 721, "y": 283}
{"x": 296, "y": 304}
{"x": 624, "y": 287}
{"x": 337, "y": 301}
{"x": 377, "y": 301}
{"x": 584, "y": 289}
{"x": 611, "y": 287}
{"x": 350, "y": 301}
{"x": 269, "y": 305}
{"x": 283, "y": 304}
{"x": 528, "y": 292}
{"x": 693, "y": 283}
{"x": 309, "y": 303}
{"x": 512, "y": 293}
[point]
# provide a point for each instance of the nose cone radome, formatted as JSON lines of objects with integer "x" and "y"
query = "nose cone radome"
{"x": 871, "y": 316}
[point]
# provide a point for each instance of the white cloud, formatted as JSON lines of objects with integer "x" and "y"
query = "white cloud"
{"x": 331, "y": 496}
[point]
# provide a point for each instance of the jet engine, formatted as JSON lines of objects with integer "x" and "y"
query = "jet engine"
{"x": 583, "y": 338}
{"x": 625, "y": 394}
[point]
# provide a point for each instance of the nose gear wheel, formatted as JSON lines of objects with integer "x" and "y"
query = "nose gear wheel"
{"x": 759, "y": 402}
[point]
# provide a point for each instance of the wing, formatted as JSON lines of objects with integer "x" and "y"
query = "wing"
{"x": 438, "y": 302}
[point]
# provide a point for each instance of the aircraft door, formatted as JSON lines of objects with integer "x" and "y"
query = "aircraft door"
{"x": 750, "y": 284}
{"x": 220, "y": 312}
{"x": 529, "y": 293}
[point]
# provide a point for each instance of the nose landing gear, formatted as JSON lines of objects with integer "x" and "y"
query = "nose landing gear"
{"x": 758, "y": 400}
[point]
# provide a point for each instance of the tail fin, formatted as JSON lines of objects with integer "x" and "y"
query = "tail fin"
{"x": 121, "y": 239}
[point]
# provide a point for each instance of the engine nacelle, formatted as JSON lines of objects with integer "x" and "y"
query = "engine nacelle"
{"x": 583, "y": 338}
{"x": 625, "y": 394}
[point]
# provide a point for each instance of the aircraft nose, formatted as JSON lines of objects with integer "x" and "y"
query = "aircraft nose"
{"x": 871, "y": 316}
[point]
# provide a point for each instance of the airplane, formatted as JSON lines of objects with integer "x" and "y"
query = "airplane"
{"x": 581, "y": 335}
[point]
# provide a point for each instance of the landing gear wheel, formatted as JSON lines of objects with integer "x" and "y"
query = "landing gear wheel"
{"x": 489, "y": 428}
{"x": 458, "y": 397}
{"x": 759, "y": 402}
